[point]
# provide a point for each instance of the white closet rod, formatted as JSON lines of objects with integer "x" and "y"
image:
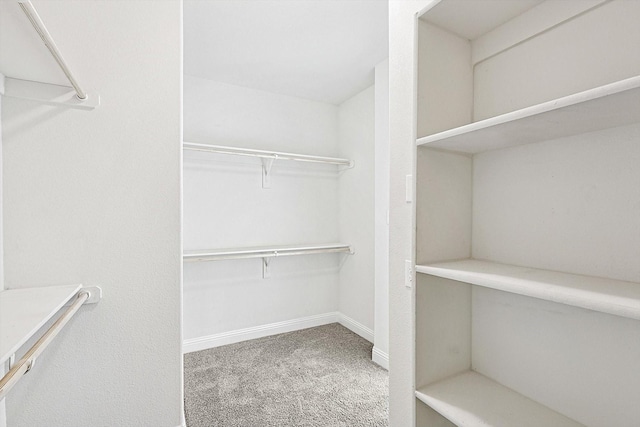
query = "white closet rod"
{"x": 25, "y": 364}
{"x": 275, "y": 155}
{"x": 264, "y": 252}
{"x": 48, "y": 41}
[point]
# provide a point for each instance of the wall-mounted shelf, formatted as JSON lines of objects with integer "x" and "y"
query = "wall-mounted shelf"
{"x": 50, "y": 94}
{"x": 24, "y": 311}
{"x": 594, "y": 293}
{"x": 608, "y": 106}
{"x": 73, "y": 96}
{"x": 265, "y": 252}
{"x": 471, "y": 399}
{"x": 268, "y": 157}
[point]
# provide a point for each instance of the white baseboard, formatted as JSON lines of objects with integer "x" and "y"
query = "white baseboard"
{"x": 355, "y": 327}
{"x": 380, "y": 357}
{"x": 217, "y": 340}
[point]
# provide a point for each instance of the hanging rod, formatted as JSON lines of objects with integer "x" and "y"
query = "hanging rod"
{"x": 264, "y": 252}
{"x": 274, "y": 155}
{"x": 48, "y": 41}
{"x": 27, "y": 361}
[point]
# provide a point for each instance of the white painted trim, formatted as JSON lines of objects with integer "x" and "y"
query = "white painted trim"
{"x": 1, "y": 84}
{"x": 217, "y": 340}
{"x": 380, "y": 357}
{"x": 356, "y": 327}
{"x": 183, "y": 420}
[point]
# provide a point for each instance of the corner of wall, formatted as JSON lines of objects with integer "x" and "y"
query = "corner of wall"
{"x": 356, "y": 124}
{"x": 3, "y": 415}
{"x": 382, "y": 176}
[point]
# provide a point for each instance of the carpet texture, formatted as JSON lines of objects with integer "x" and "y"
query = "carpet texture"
{"x": 320, "y": 376}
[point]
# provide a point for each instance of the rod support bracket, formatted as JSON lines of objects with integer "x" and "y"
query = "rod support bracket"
{"x": 266, "y": 271}
{"x": 95, "y": 295}
{"x": 11, "y": 362}
{"x": 267, "y": 164}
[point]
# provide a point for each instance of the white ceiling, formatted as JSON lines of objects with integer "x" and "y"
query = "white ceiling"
{"x": 323, "y": 50}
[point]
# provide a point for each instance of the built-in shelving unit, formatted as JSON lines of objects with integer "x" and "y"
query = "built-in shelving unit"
{"x": 24, "y": 311}
{"x": 594, "y": 293}
{"x": 527, "y": 296}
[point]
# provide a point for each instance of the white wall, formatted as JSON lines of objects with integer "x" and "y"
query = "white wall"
{"x": 381, "y": 181}
{"x": 3, "y": 415}
{"x": 402, "y": 134}
{"x": 225, "y": 206}
{"x": 94, "y": 198}
{"x": 356, "y": 118}
{"x": 561, "y": 189}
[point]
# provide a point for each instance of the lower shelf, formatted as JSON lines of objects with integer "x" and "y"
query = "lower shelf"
{"x": 471, "y": 399}
{"x": 24, "y": 311}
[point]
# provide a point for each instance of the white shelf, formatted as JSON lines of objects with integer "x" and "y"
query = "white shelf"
{"x": 264, "y": 251}
{"x": 24, "y": 311}
{"x": 608, "y": 106}
{"x": 605, "y": 295}
{"x": 471, "y": 399}
{"x": 273, "y": 155}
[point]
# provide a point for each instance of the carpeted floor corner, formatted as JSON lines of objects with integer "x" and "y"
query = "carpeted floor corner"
{"x": 320, "y": 377}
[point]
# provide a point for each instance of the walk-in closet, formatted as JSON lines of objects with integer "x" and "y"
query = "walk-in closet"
{"x": 284, "y": 134}
{"x": 319, "y": 213}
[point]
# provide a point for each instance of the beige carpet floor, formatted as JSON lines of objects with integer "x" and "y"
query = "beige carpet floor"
{"x": 320, "y": 377}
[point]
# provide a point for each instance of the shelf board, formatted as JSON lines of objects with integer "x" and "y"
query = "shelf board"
{"x": 274, "y": 155}
{"x": 24, "y": 311}
{"x": 264, "y": 251}
{"x": 605, "y": 295}
{"x": 471, "y": 399}
{"x": 608, "y": 106}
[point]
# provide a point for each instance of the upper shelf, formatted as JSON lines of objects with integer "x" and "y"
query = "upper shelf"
{"x": 605, "y": 295}
{"x": 608, "y": 106}
{"x": 271, "y": 155}
{"x": 25, "y": 59}
{"x": 24, "y": 311}
{"x": 264, "y": 252}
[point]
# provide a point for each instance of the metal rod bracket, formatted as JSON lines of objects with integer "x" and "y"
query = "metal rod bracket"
{"x": 267, "y": 164}
{"x": 95, "y": 295}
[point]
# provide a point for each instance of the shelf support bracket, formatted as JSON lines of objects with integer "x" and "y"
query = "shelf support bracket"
{"x": 11, "y": 362}
{"x": 266, "y": 271}
{"x": 267, "y": 164}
